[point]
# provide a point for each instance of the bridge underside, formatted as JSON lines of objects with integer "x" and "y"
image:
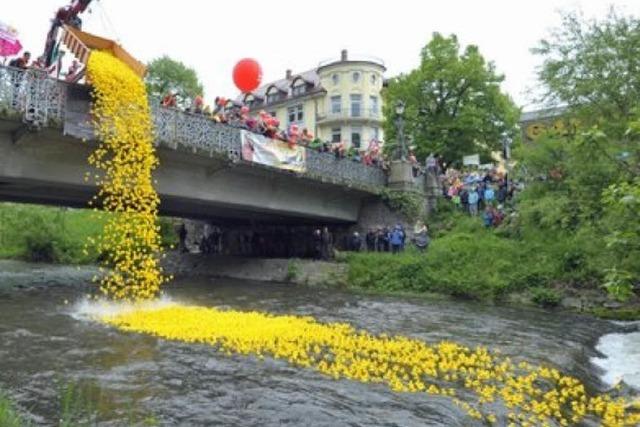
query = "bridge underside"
{"x": 48, "y": 168}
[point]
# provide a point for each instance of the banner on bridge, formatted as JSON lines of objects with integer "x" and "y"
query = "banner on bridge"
{"x": 270, "y": 152}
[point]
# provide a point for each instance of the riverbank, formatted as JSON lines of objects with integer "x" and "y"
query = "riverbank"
{"x": 56, "y": 235}
{"x": 397, "y": 275}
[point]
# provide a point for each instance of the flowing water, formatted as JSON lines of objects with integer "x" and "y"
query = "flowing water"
{"x": 46, "y": 340}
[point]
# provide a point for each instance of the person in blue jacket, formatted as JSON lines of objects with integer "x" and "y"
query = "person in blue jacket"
{"x": 489, "y": 195}
{"x": 396, "y": 239}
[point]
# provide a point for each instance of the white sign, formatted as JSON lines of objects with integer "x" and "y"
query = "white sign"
{"x": 473, "y": 159}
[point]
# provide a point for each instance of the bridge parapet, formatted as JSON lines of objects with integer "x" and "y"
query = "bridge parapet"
{"x": 40, "y": 101}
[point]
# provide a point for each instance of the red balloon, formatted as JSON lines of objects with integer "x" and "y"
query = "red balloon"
{"x": 247, "y": 74}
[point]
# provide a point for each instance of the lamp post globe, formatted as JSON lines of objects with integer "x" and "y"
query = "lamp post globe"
{"x": 401, "y": 151}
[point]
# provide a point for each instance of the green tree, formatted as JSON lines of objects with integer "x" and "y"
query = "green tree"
{"x": 166, "y": 75}
{"x": 590, "y": 191}
{"x": 454, "y": 104}
{"x": 593, "y": 67}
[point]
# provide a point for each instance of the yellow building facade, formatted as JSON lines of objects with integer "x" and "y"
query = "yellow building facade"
{"x": 340, "y": 100}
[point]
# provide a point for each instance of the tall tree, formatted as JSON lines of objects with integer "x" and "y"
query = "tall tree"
{"x": 454, "y": 104}
{"x": 593, "y": 67}
{"x": 166, "y": 75}
{"x": 593, "y": 175}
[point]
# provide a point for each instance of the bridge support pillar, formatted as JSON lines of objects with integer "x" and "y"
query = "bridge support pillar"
{"x": 401, "y": 176}
{"x": 431, "y": 190}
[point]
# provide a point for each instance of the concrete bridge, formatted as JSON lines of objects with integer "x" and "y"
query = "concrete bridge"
{"x": 201, "y": 175}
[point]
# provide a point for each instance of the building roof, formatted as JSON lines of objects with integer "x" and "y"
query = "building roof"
{"x": 310, "y": 77}
{"x": 546, "y": 113}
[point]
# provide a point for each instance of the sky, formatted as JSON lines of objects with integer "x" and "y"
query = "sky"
{"x": 211, "y": 36}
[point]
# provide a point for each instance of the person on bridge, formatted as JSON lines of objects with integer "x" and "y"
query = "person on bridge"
{"x": 306, "y": 137}
{"x": 21, "y": 62}
{"x": 292, "y": 136}
{"x": 170, "y": 100}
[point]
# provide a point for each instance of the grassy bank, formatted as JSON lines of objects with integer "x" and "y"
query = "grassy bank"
{"x": 9, "y": 416}
{"x": 53, "y": 234}
{"x": 77, "y": 406}
{"x": 466, "y": 260}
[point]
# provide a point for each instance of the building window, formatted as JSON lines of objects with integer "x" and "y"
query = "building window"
{"x": 356, "y": 76}
{"x": 273, "y": 96}
{"x": 375, "y": 133}
{"x": 374, "y": 79}
{"x": 373, "y": 104}
{"x": 295, "y": 114}
{"x": 356, "y": 101}
{"x": 355, "y": 137}
{"x": 336, "y": 104}
{"x": 336, "y": 135}
{"x": 299, "y": 89}
{"x": 335, "y": 78}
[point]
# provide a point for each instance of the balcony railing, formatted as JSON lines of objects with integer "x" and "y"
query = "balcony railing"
{"x": 41, "y": 101}
{"x": 349, "y": 114}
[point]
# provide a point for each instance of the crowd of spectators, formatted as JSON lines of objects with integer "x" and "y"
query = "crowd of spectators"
{"x": 388, "y": 239}
{"x": 24, "y": 62}
{"x": 479, "y": 193}
{"x": 231, "y": 113}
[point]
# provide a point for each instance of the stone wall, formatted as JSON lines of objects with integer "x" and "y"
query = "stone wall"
{"x": 299, "y": 271}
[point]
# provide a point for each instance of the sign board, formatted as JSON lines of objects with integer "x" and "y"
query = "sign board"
{"x": 270, "y": 152}
{"x": 473, "y": 159}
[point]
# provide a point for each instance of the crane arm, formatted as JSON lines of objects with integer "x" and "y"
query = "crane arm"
{"x": 67, "y": 15}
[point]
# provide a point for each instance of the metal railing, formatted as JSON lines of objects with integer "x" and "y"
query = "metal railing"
{"x": 40, "y": 101}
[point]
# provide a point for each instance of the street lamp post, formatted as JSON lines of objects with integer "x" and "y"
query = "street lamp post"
{"x": 401, "y": 150}
{"x": 506, "y": 154}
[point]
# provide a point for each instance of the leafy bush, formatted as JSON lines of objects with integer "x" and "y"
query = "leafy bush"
{"x": 168, "y": 233}
{"x": 47, "y": 234}
{"x": 545, "y": 297}
{"x": 293, "y": 270}
{"x": 460, "y": 264}
{"x": 407, "y": 203}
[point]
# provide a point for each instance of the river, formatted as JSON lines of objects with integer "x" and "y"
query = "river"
{"x": 45, "y": 341}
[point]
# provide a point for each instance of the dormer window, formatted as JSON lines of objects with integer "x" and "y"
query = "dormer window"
{"x": 273, "y": 95}
{"x": 249, "y": 100}
{"x": 298, "y": 87}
